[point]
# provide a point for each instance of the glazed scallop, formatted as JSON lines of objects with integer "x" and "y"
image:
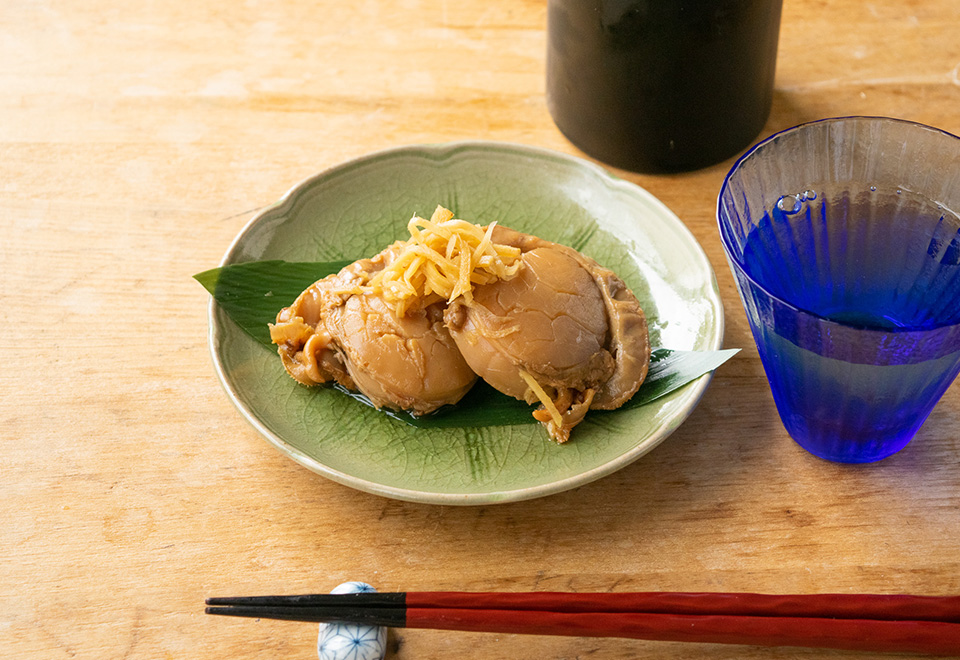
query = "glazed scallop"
{"x": 413, "y": 327}
{"x": 336, "y": 332}
{"x": 564, "y": 331}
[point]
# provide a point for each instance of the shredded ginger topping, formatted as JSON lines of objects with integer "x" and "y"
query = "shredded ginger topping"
{"x": 545, "y": 399}
{"x": 443, "y": 260}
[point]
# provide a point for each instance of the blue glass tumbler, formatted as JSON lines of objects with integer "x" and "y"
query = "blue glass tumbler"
{"x": 846, "y": 253}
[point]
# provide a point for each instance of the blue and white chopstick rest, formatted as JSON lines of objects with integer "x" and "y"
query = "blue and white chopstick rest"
{"x": 350, "y": 641}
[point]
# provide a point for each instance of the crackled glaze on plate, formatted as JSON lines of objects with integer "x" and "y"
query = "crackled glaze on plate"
{"x": 355, "y": 209}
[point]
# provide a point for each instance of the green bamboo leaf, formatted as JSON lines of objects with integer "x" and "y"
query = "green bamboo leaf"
{"x": 671, "y": 370}
{"x": 485, "y": 406}
{"x": 252, "y": 293}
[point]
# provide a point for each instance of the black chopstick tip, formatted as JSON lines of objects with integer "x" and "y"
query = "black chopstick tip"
{"x": 217, "y": 610}
{"x": 242, "y": 612}
{"x": 234, "y": 600}
{"x": 368, "y": 599}
{"x": 394, "y": 617}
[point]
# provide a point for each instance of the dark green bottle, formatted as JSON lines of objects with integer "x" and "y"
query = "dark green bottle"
{"x": 661, "y": 85}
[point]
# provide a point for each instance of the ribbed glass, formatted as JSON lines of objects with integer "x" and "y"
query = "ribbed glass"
{"x": 846, "y": 253}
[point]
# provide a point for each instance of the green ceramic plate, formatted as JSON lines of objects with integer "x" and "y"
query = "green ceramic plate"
{"x": 355, "y": 209}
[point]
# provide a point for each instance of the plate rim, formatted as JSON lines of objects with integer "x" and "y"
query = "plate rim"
{"x": 693, "y": 391}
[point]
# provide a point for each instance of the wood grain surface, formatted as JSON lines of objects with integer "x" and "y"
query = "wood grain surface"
{"x": 138, "y": 138}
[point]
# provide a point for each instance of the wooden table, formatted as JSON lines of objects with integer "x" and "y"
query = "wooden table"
{"x": 138, "y": 138}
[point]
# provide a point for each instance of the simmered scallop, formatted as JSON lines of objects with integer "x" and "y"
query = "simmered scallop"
{"x": 549, "y": 321}
{"x": 413, "y": 327}
{"x": 564, "y": 331}
{"x": 334, "y": 331}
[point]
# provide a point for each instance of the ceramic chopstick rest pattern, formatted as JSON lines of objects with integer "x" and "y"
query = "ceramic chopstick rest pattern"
{"x": 351, "y": 641}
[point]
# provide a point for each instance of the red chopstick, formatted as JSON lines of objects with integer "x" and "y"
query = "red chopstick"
{"x": 846, "y": 606}
{"x": 860, "y": 622}
{"x": 928, "y": 637}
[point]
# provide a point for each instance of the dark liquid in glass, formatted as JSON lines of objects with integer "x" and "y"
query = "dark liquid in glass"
{"x": 661, "y": 85}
